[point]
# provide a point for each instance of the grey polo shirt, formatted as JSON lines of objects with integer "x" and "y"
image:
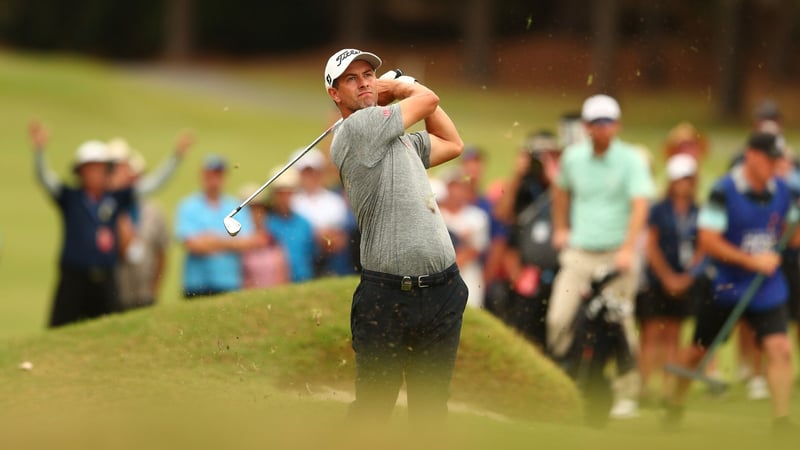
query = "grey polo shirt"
{"x": 383, "y": 169}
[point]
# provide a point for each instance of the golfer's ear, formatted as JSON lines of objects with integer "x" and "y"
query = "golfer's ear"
{"x": 334, "y": 94}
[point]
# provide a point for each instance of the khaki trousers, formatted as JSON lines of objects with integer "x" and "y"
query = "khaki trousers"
{"x": 573, "y": 279}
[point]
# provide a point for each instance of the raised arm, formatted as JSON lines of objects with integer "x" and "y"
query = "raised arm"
{"x": 417, "y": 103}
{"x": 45, "y": 176}
{"x": 156, "y": 179}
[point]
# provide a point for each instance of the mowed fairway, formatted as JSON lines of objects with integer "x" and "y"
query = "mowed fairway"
{"x": 218, "y": 373}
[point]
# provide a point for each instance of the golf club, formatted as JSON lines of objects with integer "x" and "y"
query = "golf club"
{"x": 233, "y": 226}
{"x": 716, "y": 386}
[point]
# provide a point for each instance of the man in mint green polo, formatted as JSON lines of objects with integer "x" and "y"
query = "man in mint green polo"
{"x": 600, "y": 206}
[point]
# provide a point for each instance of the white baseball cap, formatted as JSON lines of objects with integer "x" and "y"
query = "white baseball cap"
{"x": 91, "y": 152}
{"x": 288, "y": 180}
{"x": 681, "y": 166}
{"x": 119, "y": 150}
{"x": 314, "y": 159}
{"x": 599, "y": 107}
{"x": 342, "y": 59}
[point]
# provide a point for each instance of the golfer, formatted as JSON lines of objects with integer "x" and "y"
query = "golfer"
{"x": 746, "y": 214}
{"x": 406, "y": 312}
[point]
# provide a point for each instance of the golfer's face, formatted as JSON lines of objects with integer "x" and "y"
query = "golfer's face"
{"x": 356, "y": 86}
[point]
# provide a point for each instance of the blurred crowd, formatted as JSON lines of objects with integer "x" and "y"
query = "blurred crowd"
{"x": 528, "y": 245}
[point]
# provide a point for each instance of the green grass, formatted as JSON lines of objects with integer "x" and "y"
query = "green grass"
{"x": 240, "y": 370}
{"x": 256, "y": 116}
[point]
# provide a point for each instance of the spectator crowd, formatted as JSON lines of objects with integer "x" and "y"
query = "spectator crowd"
{"x": 577, "y": 202}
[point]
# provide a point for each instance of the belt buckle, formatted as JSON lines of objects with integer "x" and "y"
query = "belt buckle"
{"x": 421, "y": 283}
{"x": 405, "y": 284}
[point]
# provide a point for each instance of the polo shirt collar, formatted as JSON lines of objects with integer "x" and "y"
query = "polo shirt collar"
{"x": 612, "y": 148}
{"x": 740, "y": 181}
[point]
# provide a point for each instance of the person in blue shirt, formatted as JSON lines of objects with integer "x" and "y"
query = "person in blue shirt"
{"x": 213, "y": 263}
{"x": 675, "y": 281}
{"x": 89, "y": 212}
{"x": 290, "y": 229}
{"x": 747, "y": 212}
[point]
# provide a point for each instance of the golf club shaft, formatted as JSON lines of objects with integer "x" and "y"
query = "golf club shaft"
{"x": 285, "y": 168}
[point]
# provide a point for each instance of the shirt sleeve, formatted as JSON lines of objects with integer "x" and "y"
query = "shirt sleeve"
{"x": 640, "y": 180}
{"x": 185, "y": 227}
{"x": 421, "y": 141}
{"x": 154, "y": 180}
{"x": 714, "y": 214}
{"x": 369, "y": 132}
{"x": 46, "y": 177}
{"x": 563, "y": 179}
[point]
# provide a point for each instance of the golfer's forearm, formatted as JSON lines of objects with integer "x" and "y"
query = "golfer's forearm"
{"x": 447, "y": 143}
{"x": 417, "y": 102}
{"x": 153, "y": 181}
{"x": 45, "y": 176}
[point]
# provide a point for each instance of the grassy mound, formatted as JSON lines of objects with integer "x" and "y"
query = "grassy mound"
{"x": 293, "y": 338}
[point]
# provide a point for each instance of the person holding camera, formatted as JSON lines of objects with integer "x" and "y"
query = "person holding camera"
{"x": 530, "y": 259}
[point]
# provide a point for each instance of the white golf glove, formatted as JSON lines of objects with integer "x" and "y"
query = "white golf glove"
{"x": 398, "y": 75}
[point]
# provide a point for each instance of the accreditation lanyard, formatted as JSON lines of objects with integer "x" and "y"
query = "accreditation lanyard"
{"x": 685, "y": 225}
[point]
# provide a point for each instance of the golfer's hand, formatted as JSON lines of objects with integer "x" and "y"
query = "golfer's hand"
{"x": 765, "y": 263}
{"x": 38, "y": 135}
{"x": 385, "y": 92}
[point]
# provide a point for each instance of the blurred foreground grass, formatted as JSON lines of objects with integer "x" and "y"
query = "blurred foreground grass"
{"x": 274, "y": 369}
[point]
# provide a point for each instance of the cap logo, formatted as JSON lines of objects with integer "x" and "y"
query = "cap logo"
{"x": 344, "y": 55}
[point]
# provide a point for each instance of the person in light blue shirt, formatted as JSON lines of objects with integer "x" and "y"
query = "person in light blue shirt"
{"x": 293, "y": 232}
{"x": 213, "y": 262}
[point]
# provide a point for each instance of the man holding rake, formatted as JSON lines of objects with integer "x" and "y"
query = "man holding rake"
{"x": 748, "y": 211}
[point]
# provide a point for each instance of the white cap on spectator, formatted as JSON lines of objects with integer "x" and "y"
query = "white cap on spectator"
{"x": 314, "y": 159}
{"x": 288, "y": 180}
{"x": 600, "y": 107}
{"x": 681, "y": 166}
{"x": 91, "y": 152}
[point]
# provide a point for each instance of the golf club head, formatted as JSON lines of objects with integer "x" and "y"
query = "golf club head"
{"x": 232, "y": 226}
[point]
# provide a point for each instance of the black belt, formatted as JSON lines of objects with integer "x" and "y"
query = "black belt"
{"x": 409, "y": 282}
